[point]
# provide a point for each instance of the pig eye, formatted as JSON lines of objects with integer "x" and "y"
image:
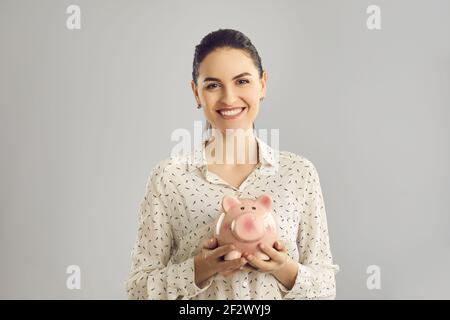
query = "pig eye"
{"x": 242, "y": 208}
{"x": 254, "y": 208}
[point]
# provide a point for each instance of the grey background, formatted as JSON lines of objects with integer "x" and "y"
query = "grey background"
{"x": 86, "y": 114}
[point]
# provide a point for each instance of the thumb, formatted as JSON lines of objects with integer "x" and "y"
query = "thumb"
{"x": 210, "y": 243}
{"x": 279, "y": 245}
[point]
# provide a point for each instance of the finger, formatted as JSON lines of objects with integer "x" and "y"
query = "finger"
{"x": 279, "y": 245}
{"x": 222, "y": 250}
{"x": 206, "y": 253}
{"x": 259, "y": 264}
{"x": 232, "y": 264}
{"x": 247, "y": 267}
{"x": 271, "y": 252}
{"x": 210, "y": 243}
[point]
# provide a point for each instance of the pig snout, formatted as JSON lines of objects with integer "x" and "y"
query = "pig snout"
{"x": 248, "y": 227}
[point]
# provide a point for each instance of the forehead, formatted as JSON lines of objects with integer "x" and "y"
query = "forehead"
{"x": 225, "y": 63}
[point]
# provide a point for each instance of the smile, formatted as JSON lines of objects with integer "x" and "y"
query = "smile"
{"x": 232, "y": 113}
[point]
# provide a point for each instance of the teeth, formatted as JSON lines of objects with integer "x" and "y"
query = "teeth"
{"x": 231, "y": 113}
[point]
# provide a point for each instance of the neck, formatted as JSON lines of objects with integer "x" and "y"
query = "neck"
{"x": 232, "y": 147}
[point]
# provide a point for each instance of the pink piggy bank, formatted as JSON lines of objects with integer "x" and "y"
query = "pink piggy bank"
{"x": 246, "y": 223}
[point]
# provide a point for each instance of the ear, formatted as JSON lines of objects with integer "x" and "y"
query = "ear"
{"x": 265, "y": 201}
{"x": 228, "y": 202}
{"x": 195, "y": 92}
{"x": 263, "y": 83}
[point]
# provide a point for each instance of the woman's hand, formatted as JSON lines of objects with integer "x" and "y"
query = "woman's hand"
{"x": 283, "y": 268}
{"x": 278, "y": 258}
{"x": 209, "y": 262}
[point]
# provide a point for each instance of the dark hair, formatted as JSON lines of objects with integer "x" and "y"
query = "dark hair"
{"x": 224, "y": 38}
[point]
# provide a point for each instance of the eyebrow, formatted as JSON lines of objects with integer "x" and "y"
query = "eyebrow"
{"x": 238, "y": 76}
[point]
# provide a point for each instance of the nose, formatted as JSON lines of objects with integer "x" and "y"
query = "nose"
{"x": 228, "y": 97}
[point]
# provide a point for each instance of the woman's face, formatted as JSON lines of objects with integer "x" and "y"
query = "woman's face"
{"x": 229, "y": 89}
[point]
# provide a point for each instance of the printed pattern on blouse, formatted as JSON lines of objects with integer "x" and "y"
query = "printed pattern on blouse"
{"x": 182, "y": 201}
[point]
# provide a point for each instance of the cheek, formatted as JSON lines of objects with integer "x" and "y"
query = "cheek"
{"x": 251, "y": 98}
{"x": 253, "y": 111}
{"x": 206, "y": 96}
{"x": 211, "y": 100}
{"x": 249, "y": 93}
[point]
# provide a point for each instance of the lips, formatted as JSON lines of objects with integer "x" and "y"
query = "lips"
{"x": 231, "y": 113}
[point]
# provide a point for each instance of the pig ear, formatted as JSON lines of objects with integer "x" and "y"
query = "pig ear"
{"x": 265, "y": 201}
{"x": 228, "y": 202}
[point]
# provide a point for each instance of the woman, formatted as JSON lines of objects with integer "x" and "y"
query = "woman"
{"x": 175, "y": 255}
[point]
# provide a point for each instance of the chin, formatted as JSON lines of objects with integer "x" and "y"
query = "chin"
{"x": 236, "y": 126}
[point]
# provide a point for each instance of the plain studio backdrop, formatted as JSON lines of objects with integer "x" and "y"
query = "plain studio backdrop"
{"x": 86, "y": 114}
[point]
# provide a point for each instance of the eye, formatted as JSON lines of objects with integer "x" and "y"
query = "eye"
{"x": 243, "y": 81}
{"x": 242, "y": 208}
{"x": 212, "y": 86}
{"x": 254, "y": 208}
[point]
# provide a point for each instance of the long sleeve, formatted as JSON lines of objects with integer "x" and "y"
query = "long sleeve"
{"x": 316, "y": 273}
{"x": 153, "y": 275}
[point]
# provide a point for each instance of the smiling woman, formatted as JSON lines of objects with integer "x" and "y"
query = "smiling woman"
{"x": 228, "y": 79}
{"x": 172, "y": 258}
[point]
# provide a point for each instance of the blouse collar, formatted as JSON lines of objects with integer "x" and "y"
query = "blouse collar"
{"x": 269, "y": 157}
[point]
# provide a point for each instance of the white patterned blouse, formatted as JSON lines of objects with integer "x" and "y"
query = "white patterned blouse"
{"x": 183, "y": 199}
